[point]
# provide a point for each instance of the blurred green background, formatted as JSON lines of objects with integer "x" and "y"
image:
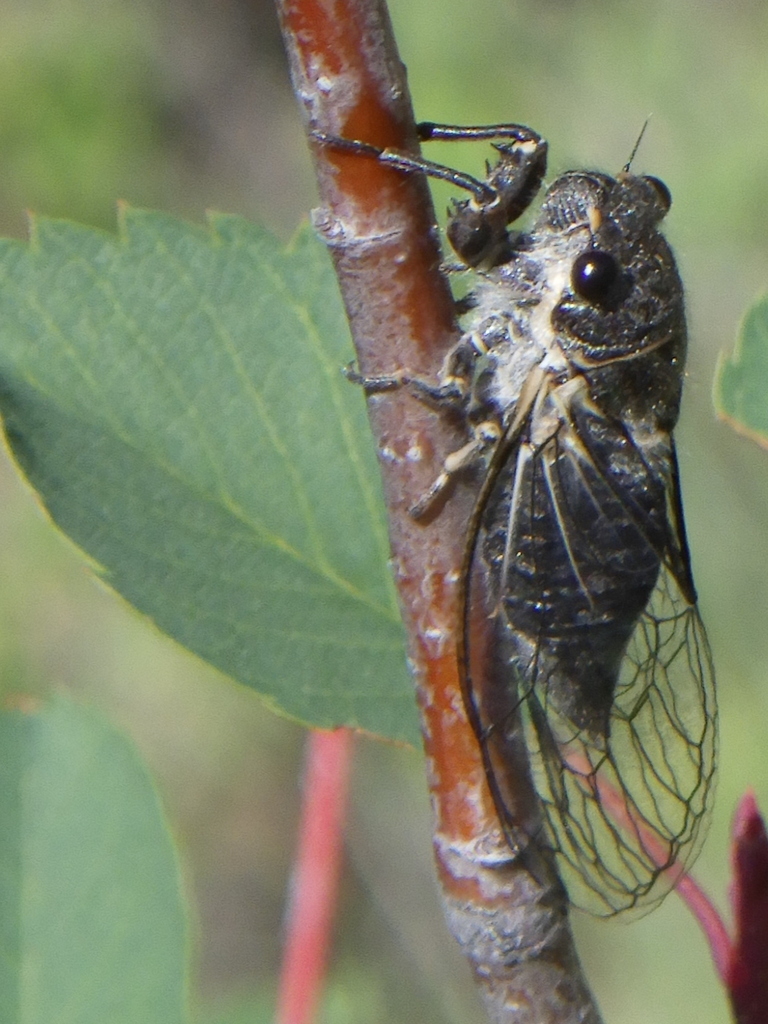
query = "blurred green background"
{"x": 184, "y": 105}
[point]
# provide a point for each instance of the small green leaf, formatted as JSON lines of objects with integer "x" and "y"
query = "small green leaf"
{"x": 255, "y": 1009}
{"x": 92, "y": 924}
{"x": 174, "y": 395}
{"x": 741, "y": 382}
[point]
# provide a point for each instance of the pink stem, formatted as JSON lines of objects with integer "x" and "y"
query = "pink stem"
{"x": 710, "y": 922}
{"x": 315, "y": 878}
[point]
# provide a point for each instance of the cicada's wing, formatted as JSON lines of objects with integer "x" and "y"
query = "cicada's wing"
{"x": 626, "y": 819}
{"x": 625, "y": 808}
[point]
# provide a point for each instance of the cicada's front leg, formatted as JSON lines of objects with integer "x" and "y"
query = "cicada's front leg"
{"x": 477, "y": 227}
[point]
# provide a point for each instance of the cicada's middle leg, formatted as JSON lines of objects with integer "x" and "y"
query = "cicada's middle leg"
{"x": 452, "y": 391}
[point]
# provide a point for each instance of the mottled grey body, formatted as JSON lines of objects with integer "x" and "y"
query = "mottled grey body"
{"x": 575, "y": 527}
{"x": 583, "y": 653}
{"x": 592, "y": 653}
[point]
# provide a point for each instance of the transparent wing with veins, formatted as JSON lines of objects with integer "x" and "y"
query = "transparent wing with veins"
{"x": 626, "y": 817}
{"x": 625, "y": 805}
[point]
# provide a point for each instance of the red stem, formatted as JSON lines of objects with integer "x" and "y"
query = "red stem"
{"x": 710, "y": 922}
{"x": 315, "y": 879}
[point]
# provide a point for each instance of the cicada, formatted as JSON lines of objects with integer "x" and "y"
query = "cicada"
{"x": 580, "y": 634}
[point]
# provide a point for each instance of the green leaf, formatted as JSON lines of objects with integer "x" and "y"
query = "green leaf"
{"x": 254, "y": 1009}
{"x": 92, "y": 925}
{"x": 174, "y": 395}
{"x": 741, "y": 382}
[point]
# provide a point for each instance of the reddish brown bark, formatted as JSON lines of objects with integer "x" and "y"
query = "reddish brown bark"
{"x": 379, "y": 225}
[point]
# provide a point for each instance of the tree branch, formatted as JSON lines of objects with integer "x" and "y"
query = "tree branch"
{"x": 379, "y": 226}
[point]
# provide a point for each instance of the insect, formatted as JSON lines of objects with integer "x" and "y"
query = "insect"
{"x": 580, "y": 634}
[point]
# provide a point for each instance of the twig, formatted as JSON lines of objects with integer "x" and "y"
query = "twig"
{"x": 379, "y": 225}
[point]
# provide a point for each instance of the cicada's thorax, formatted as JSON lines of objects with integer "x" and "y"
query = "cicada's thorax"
{"x": 573, "y": 533}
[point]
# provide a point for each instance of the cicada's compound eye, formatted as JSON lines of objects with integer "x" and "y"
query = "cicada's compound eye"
{"x": 662, "y": 192}
{"x": 594, "y": 275}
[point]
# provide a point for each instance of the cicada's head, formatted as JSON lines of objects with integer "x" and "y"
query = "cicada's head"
{"x": 618, "y": 314}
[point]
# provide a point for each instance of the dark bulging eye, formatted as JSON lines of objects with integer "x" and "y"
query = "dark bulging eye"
{"x": 663, "y": 193}
{"x": 593, "y": 275}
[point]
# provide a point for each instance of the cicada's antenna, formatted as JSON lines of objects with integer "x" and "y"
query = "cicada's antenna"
{"x": 636, "y": 146}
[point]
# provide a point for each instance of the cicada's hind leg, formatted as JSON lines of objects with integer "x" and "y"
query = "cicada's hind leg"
{"x": 486, "y": 435}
